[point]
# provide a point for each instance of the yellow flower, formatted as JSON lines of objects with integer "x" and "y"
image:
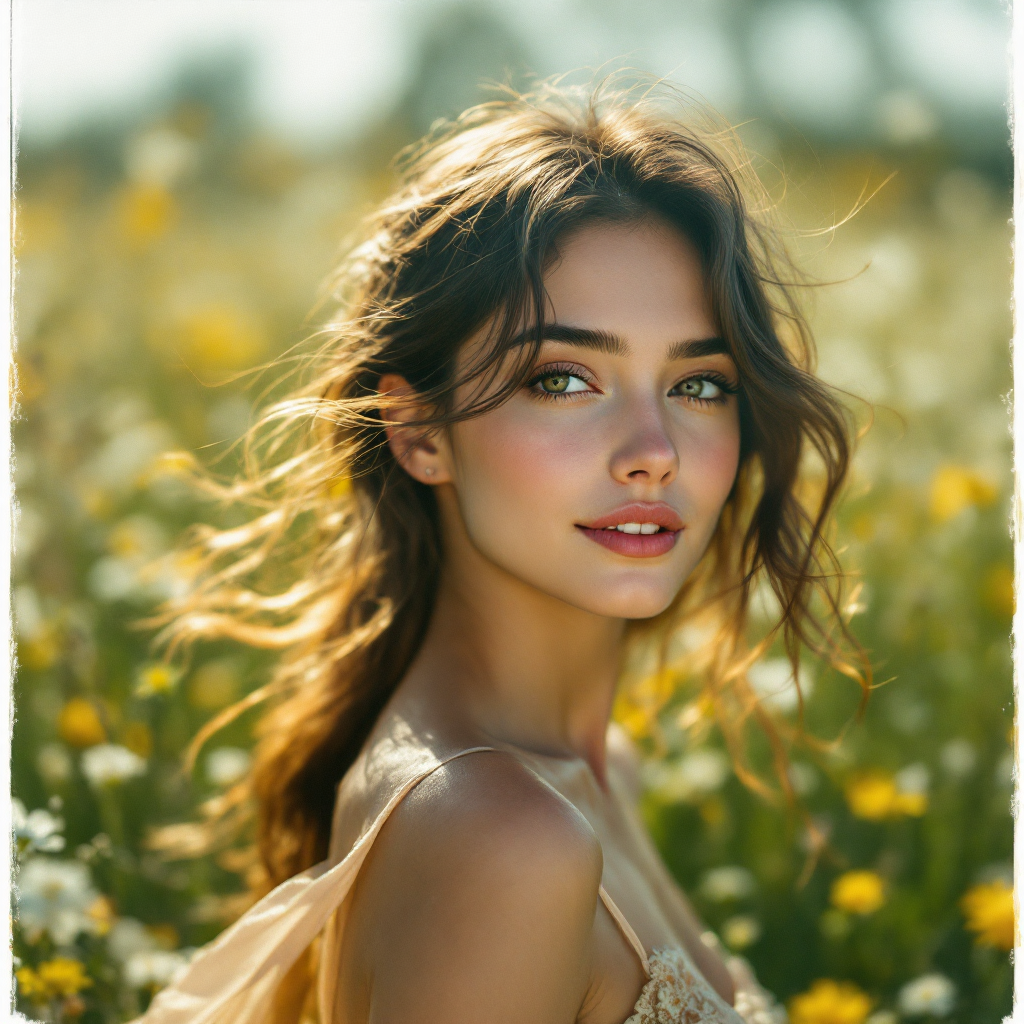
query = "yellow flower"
{"x": 58, "y": 977}
{"x": 221, "y": 337}
{"x": 175, "y": 463}
{"x": 858, "y": 892}
{"x": 989, "y": 912}
{"x": 42, "y": 650}
{"x": 146, "y": 213}
{"x": 997, "y": 591}
{"x": 638, "y": 705}
{"x": 63, "y": 976}
{"x": 29, "y": 985}
{"x": 101, "y": 913}
{"x": 830, "y": 1002}
{"x": 872, "y": 796}
{"x": 912, "y": 804}
{"x": 156, "y": 678}
{"x": 955, "y": 488}
{"x": 79, "y": 725}
{"x": 214, "y": 685}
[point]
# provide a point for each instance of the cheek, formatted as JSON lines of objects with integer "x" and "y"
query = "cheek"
{"x": 708, "y": 461}
{"x": 507, "y": 463}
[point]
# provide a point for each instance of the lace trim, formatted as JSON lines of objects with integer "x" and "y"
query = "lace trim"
{"x": 677, "y": 993}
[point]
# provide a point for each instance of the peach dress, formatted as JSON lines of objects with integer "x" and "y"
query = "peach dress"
{"x": 233, "y": 979}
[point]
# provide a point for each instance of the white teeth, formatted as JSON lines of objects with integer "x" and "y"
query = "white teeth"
{"x": 636, "y": 527}
{"x": 644, "y": 528}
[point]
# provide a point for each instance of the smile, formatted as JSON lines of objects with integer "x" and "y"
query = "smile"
{"x": 638, "y": 530}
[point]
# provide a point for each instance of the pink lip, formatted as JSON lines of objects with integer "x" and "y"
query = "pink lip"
{"x": 636, "y": 545}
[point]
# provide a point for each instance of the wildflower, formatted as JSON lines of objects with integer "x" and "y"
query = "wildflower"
{"x": 63, "y": 976}
{"x": 997, "y": 591}
{"x": 883, "y": 1017}
{"x": 727, "y": 883}
{"x": 830, "y": 1002}
{"x": 137, "y": 538}
{"x": 222, "y": 337}
{"x": 101, "y": 914}
{"x": 153, "y": 968}
{"x": 989, "y": 911}
{"x": 214, "y": 685}
{"x": 958, "y": 757}
{"x": 955, "y": 488}
{"x": 38, "y": 830}
{"x": 932, "y": 994}
{"x": 128, "y": 936}
{"x": 877, "y": 795}
{"x": 871, "y": 796}
{"x": 773, "y": 683}
{"x": 55, "y": 896}
{"x": 30, "y": 986}
{"x": 79, "y": 724}
{"x": 42, "y": 650}
{"x": 226, "y": 765}
{"x": 741, "y": 931}
{"x": 146, "y": 213}
{"x": 691, "y": 777}
{"x": 125, "y": 461}
{"x": 54, "y": 763}
{"x": 171, "y": 464}
{"x": 160, "y": 157}
{"x": 912, "y": 790}
{"x": 858, "y": 892}
{"x": 156, "y": 678}
{"x": 110, "y": 763}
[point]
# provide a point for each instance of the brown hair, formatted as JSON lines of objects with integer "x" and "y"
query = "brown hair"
{"x": 464, "y": 243}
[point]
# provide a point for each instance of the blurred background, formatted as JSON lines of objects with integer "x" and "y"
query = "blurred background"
{"x": 186, "y": 172}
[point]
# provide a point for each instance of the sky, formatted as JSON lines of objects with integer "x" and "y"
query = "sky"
{"x": 327, "y": 65}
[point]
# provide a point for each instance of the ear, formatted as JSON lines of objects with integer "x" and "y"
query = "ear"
{"x": 413, "y": 449}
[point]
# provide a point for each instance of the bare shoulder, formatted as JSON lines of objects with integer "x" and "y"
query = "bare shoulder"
{"x": 478, "y": 899}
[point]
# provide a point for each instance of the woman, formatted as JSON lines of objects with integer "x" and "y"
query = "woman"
{"x": 554, "y": 418}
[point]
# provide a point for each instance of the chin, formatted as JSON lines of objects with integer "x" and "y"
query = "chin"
{"x": 625, "y": 599}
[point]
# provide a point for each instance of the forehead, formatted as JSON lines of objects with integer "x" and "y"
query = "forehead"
{"x": 629, "y": 278}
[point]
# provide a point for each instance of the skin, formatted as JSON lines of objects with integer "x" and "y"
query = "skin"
{"x": 478, "y": 901}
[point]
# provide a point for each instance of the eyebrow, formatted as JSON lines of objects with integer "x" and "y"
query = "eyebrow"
{"x": 612, "y": 344}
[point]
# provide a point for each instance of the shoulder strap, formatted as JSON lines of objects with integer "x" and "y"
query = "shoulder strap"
{"x": 627, "y": 930}
{"x": 232, "y": 980}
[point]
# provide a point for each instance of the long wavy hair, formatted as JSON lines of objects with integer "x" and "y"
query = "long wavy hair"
{"x": 338, "y": 566}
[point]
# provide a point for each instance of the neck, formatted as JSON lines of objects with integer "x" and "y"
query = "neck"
{"x": 523, "y": 668}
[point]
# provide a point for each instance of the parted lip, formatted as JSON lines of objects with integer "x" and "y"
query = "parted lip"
{"x": 638, "y": 512}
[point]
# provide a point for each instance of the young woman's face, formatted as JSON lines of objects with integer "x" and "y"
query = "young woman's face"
{"x": 601, "y": 481}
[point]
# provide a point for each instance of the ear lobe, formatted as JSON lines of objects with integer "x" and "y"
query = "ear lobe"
{"x": 412, "y": 448}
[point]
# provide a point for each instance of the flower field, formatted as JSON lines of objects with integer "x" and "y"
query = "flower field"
{"x": 160, "y": 259}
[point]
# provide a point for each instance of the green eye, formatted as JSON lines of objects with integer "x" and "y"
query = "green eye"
{"x": 556, "y": 383}
{"x": 700, "y": 388}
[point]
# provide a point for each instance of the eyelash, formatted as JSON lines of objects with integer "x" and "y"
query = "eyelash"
{"x": 572, "y": 370}
{"x": 557, "y": 370}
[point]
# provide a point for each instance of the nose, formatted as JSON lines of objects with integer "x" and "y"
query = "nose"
{"x": 647, "y": 453}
